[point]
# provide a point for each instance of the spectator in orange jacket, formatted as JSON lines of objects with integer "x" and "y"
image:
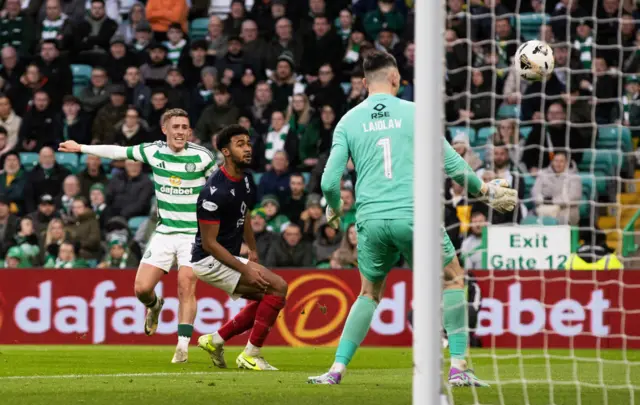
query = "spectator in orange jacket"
{"x": 161, "y": 13}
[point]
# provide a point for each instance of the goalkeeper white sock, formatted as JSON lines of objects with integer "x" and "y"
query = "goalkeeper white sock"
{"x": 217, "y": 339}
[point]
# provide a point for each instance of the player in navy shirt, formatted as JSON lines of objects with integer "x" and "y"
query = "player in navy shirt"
{"x": 223, "y": 213}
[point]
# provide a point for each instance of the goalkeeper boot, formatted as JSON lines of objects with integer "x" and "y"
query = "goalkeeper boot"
{"x": 153, "y": 314}
{"x": 328, "y": 378}
{"x": 464, "y": 378}
{"x": 215, "y": 351}
{"x": 257, "y": 363}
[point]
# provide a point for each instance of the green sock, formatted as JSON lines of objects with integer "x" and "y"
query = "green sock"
{"x": 355, "y": 329}
{"x": 185, "y": 330}
{"x": 455, "y": 322}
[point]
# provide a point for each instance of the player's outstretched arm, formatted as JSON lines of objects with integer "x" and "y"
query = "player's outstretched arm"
{"x": 332, "y": 175}
{"x": 105, "y": 151}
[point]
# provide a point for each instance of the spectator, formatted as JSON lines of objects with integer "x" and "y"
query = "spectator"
{"x": 162, "y": 13}
{"x": 95, "y": 32}
{"x": 93, "y": 174}
{"x": 507, "y": 133}
{"x": 237, "y": 15}
{"x": 129, "y": 193}
{"x": 70, "y": 191}
{"x": 8, "y": 225}
{"x": 475, "y": 108}
{"x": 558, "y": 190}
{"x": 127, "y": 29}
{"x": 142, "y": 41}
{"x": 312, "y": 217}
{"x": 243, "y": 90}
{"x": 321, "y": 48}
{"x": 565, "y": 18}
{"x": 38, "y": 128}
{"x": 282, "y": 42}
{"x": 202, "y": 94}
{"x": 16, "y": 259}
{"x": 471, "y": 250}
{"x": 3, "y": 142}
{"x": 628, "y": 111}
{"x": 385, "y": 16}
{"x": 96, "y": 95}
{"x": 12, "y": 68}
{"x": 74, "y": 9}
{"x": 267, "y": 21}
{"x": 103, "y": 125}
{"x": 387, "y": 41}
{"x": 295, "y": 203}
{"x": 299, "y": 113}
{"x": 252, "y": 44}
{"x": 137, "y": 93}
{"x": 283, "y": 82}
{"x": 218, "y": 115}
{"x": 176, "y": 44}
{"x": 119, "y": 256}
{"x": 159, "y": 104}
{"x": 22, "y": 94}
{"x": 348, "y": 209}
{"x": 27, "y": 240}
{"x": 56, "y": 26}
{"x": 45, "y": 213}
{"x": 84, "y": 229}
{"x": 16, "y": 28}
{"x": 276, "y": 180}
{"x": 327, "y": 241}
{"x": 262, "y": 108}
{"x": 264, "y": 238}
{"x": 316, "y": 139}
{"x": 119, "y": 59}
{"x": 584, "y": 43}
{"x": 276, "y": 139}
{"x": 275, "y": 220}
{"x": 357, "y": 91}
{"x": 326, "y": 90}
{"x": 67, "y": 258}
{"x": 45, "y": 178}
{"x": 345, "y": 25}
{"x": 198, "y": 60}
{"x": 10, "y": 122}
{"x": 98, "y": 201}
{"x": 631, "y": 63}
{"x": 460, "y": 143}
{"x": 55, "y": 235}
{"x": 12, "y": 183}
{"x": 216, "y": 40}
{"x": 155, "y": 71}
{"x": 232, "y": 64}
{"x": 290, "y": 250}
{"x": 177, "y": 93}
{"x": 147, "y": 227}
{"x": 73, "y": 122}
{"x": 349, "y": 247}
{"x": 606, "y": 91}
{"x": 130, "y": 131}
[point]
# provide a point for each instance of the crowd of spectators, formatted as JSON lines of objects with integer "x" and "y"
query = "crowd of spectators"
{"x": 104, "y": 71}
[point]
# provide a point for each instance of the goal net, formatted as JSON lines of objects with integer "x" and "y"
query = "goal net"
{"x": 542, "y": 334}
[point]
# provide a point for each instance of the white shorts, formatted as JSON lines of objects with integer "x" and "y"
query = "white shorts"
{"x": 218, "y": 275}
{"x": 164, "y": 251}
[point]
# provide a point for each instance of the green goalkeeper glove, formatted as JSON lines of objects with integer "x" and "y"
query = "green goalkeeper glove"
{"x": 499, "y": 196}
{"x": 333, "y": 217}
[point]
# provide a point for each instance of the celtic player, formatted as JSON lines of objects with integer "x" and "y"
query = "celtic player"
{"x": 180, "y": 170}
{"x": 378, "y": 136}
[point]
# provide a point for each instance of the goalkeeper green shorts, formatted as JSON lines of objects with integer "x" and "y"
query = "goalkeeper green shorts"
{"x": 380, "y": 244}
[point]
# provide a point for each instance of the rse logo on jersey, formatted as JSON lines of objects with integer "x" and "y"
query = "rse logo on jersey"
{"x": 380, "y": 113}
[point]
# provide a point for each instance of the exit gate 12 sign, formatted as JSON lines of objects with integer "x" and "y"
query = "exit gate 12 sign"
{"x": 527, "y": 247}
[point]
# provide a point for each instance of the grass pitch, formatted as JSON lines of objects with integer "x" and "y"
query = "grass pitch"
{"x": 123, "y": 375}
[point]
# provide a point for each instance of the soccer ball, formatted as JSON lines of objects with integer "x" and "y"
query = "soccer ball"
{"x": 534, "y": 60}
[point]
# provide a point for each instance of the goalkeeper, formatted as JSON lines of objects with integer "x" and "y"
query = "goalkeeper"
{"x": 378, "y": 135}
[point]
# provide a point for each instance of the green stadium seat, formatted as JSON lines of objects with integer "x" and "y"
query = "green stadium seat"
{"x": 257, "y": 177}
{"x": 525, "y": 132}
{"x": 199, "y": 29}
{"x": 508, "y": 111}
{"x": 605, "y": 160}
{"x": 81, "y": 75}
{"x": 135, "y": 222}
{"x": 346, "y": 87}
{"x": 307, "y": 177}
{"x": 614, "y": 137}
{"x": 470, "y": 132}
{"x": 535, "y": 220}
{"x": 77, "y": 89}
{"x": 483, "y": 135}
{"x": 589, "y": 188}
{"x": 530, "y": 24}
{"x": 28, "y": 160}
{"x": 68, "y": 160}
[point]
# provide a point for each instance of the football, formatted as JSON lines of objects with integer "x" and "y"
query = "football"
{"x": 534, "y": 60}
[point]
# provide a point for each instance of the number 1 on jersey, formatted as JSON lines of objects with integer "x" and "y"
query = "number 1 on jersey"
{"x": 386, "y": 154}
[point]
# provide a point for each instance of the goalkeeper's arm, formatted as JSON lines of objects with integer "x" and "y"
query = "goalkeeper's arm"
{"x": 332, "y": 175}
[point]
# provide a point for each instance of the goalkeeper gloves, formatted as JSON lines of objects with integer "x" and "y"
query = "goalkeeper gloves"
{"x": 499, "y": 196}
{"x": 333, "y": 217}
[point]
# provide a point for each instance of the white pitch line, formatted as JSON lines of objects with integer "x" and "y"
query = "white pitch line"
{"x": 72, "y": 376}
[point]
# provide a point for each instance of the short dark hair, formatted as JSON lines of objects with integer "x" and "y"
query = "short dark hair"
{"x": 297, "y": 174}
{"x": 199, "y": 44}
{"x": 221, "y": 88}
{"x": 97, "y": 1}
{"x": 175, "y": 26}
{"x": 224, "y": 136}
{"x": 50, "y": 41}
{"x": 377, "y": 60}
{"x": 321, "y": 16}
{"x": 83, "y": 200}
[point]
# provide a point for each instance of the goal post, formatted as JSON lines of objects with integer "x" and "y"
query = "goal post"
{"x": 429, "y": 78}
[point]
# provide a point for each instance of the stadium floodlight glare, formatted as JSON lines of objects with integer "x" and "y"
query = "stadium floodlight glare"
{"x": 429, "y": 36}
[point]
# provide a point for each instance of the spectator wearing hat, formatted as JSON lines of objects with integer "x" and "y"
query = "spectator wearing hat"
{"x": 460, "y": 143}
{"x": 192, "y": 66}
{"x": 104, "y": 124}
{"x": 84, "y": 229}
{"x": 12, "y": 183}
{"x": 584, "y": 42}
{"x": 8, "y": 225}
{"x": 16, "y": 28}
{"x": 275, "y": 220}
{"x": 27, "y": 240}
{"x": 119, "y": 256}
{"x": 141, "y": 41}
{"x": 45, "y": 178}
{"x": 10, "y": 122}
{"x": 202, "y": 93}
{"x": 276, "y": 180}
{"x": 119, "y": 59}
{"x": 94, "y": 33}
{"x": 216, "y": 40}
{"x": 322, "y": 47}
{"x": 177, "y": 92}
{"x": 237, "y": 14}
{"x": 67, "y": 257}
{"x": 283, "y": 81}
{"x": 132, "y": 130}
{"x": 384, "y": 16}
{"x": 628, "y": 111}
{"x": 38, "y": 128}
{"x": 127, "y": 28}
{"x": 137, "y": 93}
{"x": 91, "y": 175}
{"x": 155, "y": 70}
{"x": 129, "y": 193}
{"x": 283, "y": 41}
{"x": 327, "y": 90}
{"x": 56, "y": 26}
{"x": 252, "y": 43}
{"x": 96, "y": 95}
{"x": 73, "y": 122}
{"x": 98, "y": 202}
{"x": 218, "y": 115}
{"x": 327, "y": 241}
{"x": 162, "y": 13}
{"x": 159, "y": 104}
{"x": 176, "y": 44}
{"x": 290, "y": 249}
{"x": 44, "y": 214}
{"x": 16, "y": 259}
{"x": 312, "y": 217}
{"x": 264, "y": 238}
{"x": 294, "y": 204}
